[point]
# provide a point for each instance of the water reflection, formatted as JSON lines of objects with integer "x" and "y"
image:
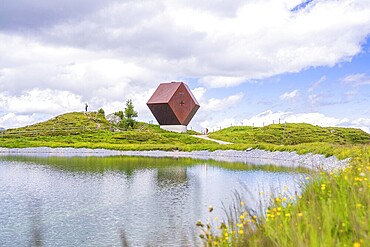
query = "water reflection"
{"x": 114, "y": 201}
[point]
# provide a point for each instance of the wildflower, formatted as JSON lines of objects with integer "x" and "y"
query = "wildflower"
{"x": 358, "y": 205}
{"x": 277, "y": 199}
{"x": 242, "y": 203}
{"x": 307, "y": 178}
{"x": 241, "y": 217}
{"x": 299, "y": 214}
{"x": 216, "y": 218}
{"x": 240, "y": 231}
{"x": 287, "y": 215}
{"x": 356, "y": 244}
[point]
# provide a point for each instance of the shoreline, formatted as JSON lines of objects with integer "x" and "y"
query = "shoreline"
{"x": 254, "y": 156}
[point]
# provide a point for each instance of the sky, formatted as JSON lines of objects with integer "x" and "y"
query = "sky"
{"x": 254, "y": 62}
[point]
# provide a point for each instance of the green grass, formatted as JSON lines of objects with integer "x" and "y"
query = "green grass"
{"x": 94, "y": 131}
{"x": 333, "y": 210}
{"x": 292, "y": 134}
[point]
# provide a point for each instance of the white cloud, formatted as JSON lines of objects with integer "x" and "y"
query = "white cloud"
{"x": 314, "y": 118}
{"x": 41, "y": 101}
{"x": 214, "y": 104}
{"x": 227, "y": 122}
{"x": 12, "y": 120}
{"x": 290, "y": 95}
{"x": 221, "y": 81}
{"x": 316, "y": 84}
{"x": 357, "y": 80}
{"x": 110, "y": 52}
{"x": 223, "y": 45}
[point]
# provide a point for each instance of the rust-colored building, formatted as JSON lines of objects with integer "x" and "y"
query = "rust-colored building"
{"x": 173, "y": 105}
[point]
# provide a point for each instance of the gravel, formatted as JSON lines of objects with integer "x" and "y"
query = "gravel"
{"x": 250, "y": 156}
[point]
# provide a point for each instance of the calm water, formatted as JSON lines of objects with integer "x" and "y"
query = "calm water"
{"x": 56, "y": 201}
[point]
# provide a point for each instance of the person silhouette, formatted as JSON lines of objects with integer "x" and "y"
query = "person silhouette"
{"x": 86, "y": 105}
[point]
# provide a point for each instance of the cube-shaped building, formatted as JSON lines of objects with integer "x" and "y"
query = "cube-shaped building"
{"x": 173, "y": 105}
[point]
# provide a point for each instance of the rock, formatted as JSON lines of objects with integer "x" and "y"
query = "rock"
{"x": 114, "y": 119}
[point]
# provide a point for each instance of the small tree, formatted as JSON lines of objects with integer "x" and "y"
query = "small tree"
{"x": 128, "y": 120}
{"x": 101, "y": 113}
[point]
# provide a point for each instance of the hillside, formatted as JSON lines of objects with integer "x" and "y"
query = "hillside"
{"x": 79, "y": 130}
{"x": 292, "y": 135}
{"x": 94, "y": 131}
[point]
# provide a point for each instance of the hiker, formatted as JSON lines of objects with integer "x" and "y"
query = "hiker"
{"x": 206, "y": 131}
{"x": 86, "y": 107}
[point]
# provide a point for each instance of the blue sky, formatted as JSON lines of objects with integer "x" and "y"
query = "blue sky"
{"x": 247, "y": 62}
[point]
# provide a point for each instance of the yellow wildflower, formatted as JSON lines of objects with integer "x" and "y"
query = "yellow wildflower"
{"x": 356, "y": 244}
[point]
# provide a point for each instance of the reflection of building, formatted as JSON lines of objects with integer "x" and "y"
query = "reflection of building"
{"x": 173, "y": 105}
{"x": 173, "y": 175}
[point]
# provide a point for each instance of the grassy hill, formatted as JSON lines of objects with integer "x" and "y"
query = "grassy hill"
{"x": 292, "y": 134}
{"x": 94, "y": 131}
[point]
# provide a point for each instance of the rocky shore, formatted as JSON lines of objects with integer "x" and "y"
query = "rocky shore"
{"x": 252, "y": 156}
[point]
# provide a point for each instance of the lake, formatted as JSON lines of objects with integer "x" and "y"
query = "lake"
{"x": 105, "y": 201}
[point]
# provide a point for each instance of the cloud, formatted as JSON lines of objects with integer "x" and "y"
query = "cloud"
{"x": 24, "y": 14}
{"x": 104, "y": 52}
{"x": 41, "y": 101}
{"x": 214, "y": 104}
{"x": 356, "y": 80}
{"x": 227, "y": 122}
{"x": 12, "y": 120}
{"x": 314, "y": 118}
{"x": 290, "y": 95}
{"x": 221, "y": 81}
{"x": 316, "y": 84}
{"x": 222, "y": 44}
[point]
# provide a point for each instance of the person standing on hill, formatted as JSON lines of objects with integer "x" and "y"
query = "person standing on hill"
{"x": 86, "y": 105}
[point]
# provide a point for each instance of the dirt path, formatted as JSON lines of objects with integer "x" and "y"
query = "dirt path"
{"x": 205, "y": 137}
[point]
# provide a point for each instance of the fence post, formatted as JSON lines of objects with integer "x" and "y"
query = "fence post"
{"x": 282, "y": 142}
